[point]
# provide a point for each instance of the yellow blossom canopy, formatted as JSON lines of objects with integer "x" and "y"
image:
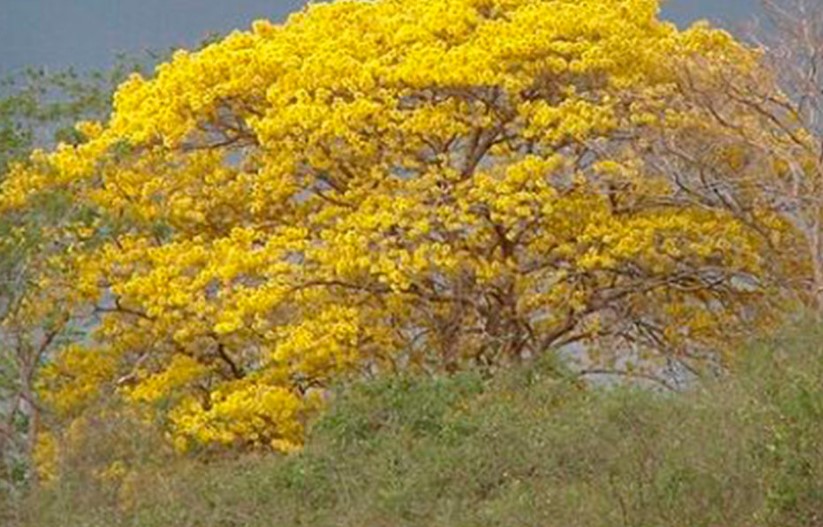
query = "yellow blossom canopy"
{"x": 384, "y": 185}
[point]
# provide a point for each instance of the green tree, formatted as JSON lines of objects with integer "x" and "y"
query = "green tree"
{"x": 38, "y": 109}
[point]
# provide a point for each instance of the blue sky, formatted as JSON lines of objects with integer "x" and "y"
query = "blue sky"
{"x": 88, "y": 34}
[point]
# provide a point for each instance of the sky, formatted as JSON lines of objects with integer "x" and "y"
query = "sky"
{"x": 89, "y": 34}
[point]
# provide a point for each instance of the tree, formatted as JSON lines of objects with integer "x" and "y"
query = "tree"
{"x": 383, "y": 186}
{"x": 37, "y": 108}
{"x": 792, "y": 105}
{"x": 753, "y": 142}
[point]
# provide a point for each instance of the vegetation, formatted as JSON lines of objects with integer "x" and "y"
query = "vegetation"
{"x": 531, "y": 447}
{"x": 440, "y": 186}
{"x": 37, "y": 108}
{"x": 384, "y": 263}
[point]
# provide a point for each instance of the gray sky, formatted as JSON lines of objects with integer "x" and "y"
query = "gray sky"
{"x": 88, "y": 34}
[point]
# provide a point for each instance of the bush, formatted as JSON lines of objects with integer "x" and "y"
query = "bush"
{"x": 531, "y": 447}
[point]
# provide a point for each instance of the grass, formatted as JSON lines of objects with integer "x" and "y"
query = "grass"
{"x": 531, "y": 447}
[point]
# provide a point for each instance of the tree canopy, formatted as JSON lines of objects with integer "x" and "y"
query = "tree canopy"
{"x": 381, "y": 186}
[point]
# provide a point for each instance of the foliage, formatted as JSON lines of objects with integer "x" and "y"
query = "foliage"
{"x": 425, "y": 185}
{"x": 751, "y": 138}
{"x": 36, "y": 108}
{"x": 533, "y": 446}
{"x": 40, "y": 108}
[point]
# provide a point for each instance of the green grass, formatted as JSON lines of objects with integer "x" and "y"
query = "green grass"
{"x": 532, "y": 447}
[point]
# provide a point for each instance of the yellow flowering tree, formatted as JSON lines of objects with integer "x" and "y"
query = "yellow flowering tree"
{"x": 382, "y": 186}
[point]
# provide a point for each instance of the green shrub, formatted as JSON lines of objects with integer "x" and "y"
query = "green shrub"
{"x": 534, "y": 446}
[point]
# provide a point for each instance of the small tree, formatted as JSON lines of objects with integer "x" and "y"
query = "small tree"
{"x": 37, "y": 109}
